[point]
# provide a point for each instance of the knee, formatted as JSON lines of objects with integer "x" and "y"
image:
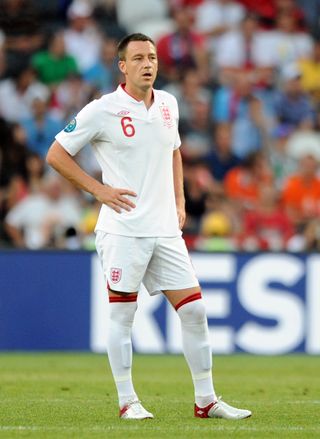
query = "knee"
{"x": 193, "y": 312}
{"x": 123, "y": 313}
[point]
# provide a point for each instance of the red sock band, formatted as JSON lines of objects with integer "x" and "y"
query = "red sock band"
{"x": 195, "y": 296}
{"x": 126, "y": 298}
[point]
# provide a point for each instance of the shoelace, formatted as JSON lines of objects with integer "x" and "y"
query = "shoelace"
{"x": 134, "y": 406}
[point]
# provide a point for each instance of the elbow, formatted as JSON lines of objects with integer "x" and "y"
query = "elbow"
{"x": 49, "y": 158}
{"x": 51, "y": 155}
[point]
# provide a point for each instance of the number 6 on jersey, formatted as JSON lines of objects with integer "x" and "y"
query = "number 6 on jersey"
{"x": 128, "y": 128}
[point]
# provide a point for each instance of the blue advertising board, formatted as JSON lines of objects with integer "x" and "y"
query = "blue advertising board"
{"x": 44, "y": 300}
{"x": 267, "y": 303}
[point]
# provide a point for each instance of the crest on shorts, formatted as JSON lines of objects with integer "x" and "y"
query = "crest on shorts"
{"x": 71, "y": 126}
{"x": 115, "y": 275}
{"x": 166, "y": 116}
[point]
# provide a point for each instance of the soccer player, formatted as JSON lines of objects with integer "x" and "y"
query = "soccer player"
{"x": 134, "y": 135}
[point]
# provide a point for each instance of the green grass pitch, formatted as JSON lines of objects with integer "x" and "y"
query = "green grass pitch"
{"x": 72, "y": 395}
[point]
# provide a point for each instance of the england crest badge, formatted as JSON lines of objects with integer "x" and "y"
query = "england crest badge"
{"x": 115, "y": 275}
{"x": 166, "y": 116}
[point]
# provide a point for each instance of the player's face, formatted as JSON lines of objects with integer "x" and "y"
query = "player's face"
{"x": 140, "y": 65}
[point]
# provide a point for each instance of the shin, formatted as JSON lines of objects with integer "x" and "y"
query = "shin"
{"x": 196, "y": 348}
{"x": 120, "y": 346}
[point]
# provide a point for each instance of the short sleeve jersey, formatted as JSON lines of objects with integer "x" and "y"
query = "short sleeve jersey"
{"x": 134, "y": 147}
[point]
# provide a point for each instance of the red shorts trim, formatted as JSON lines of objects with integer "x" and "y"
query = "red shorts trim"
{"x": 195, "y": 296}
{"x": 126, "y": 298}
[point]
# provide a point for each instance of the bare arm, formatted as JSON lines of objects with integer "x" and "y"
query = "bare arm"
{"x": 178, "y": 187}
{"x": 65, "y": 164}
{"x": 16, "y": 235}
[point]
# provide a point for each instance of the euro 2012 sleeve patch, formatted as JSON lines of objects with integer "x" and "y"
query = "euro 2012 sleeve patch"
{"x": 71, "y": 126}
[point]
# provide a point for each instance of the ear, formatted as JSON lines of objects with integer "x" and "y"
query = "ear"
{"x": 122, "y": 66}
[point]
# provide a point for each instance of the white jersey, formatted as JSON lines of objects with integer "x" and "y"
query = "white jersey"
{"x": 134, "y": 147}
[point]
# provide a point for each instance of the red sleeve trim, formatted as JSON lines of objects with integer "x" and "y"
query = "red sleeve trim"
{"x": 188, "y": 299}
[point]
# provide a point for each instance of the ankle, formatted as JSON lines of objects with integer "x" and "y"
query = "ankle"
{"x": 204, "y": 401}
{"x": 127, "y": 399}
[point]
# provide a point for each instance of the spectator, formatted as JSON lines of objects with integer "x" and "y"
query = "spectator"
{"x": 310, "y": 238}
{"x": 150, "y": 17}
{"x": 19, "y": 20}
{"x": 54, "y": 64}
{"x": 188, "y": 91}
{"x": 218, "y": 225}
{"x": 268, "y": 10}
{"x": 105, "y": 73}
{"x": 216, "y": 17}
{"x": 105, "y": 14}
{"x": 302, "y": 142}
{"x": 310, "y": 73}
{"x": 262, "y": 88}
{"x": 90, "y": 213}
{"x": 195, "y": 135}
{"x": 71, "y": 95}
{"x": 13, "y": 155}
{"x": 289, "y": 7}
{"x": 301, "y": 193}
{"x": 289, "y": 44}
{"x": 242, "y": 184}
{"x": 246, "y": 47}
{"x": 282, "y": 163}
{"x": 311, "y": 10}
{"x": 267, "y": 227}
{"x": 35, "y": 172}
{"x": 182, "y": 49}
{"x": 239, "y": 104}
{"x": 41, "y": 219}
{"x": 82, "y": 38}
{"x": 40, "y": 127}
{"x": 18, "y": 93}
{"x": 221, "y": 158}
{"x": 13, "y": 173}
{"x": 293, "y": 107}
{"x": 198, "y": 183}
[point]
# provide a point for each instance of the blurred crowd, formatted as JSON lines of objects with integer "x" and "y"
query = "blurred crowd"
{"x": 246, "y": 74}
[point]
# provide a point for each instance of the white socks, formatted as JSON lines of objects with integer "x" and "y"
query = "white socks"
{"x": 120, "y": 348}
{"x": 197, "y": 350}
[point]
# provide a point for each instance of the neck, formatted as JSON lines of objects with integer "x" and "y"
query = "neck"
{"x": 140, "y": 95}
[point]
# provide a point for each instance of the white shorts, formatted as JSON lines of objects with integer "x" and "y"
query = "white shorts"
{"x": 159, "y": 263}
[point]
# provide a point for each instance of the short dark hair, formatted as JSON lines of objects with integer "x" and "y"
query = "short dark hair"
{"x": 123, "y": 44}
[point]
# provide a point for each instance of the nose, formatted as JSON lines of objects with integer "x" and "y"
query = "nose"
{"x": 147, "y": 63}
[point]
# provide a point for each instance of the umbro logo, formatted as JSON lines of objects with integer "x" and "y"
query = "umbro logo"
{"x": 123, "y": 113}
